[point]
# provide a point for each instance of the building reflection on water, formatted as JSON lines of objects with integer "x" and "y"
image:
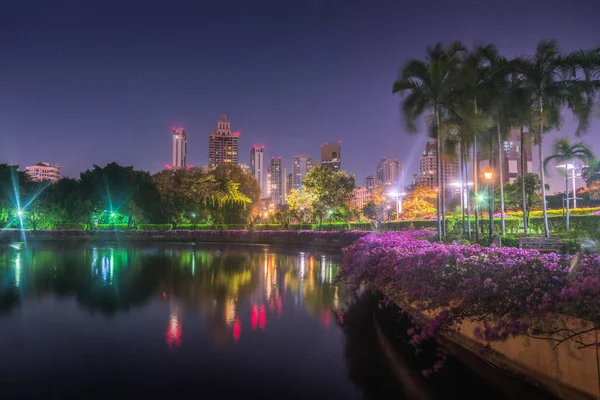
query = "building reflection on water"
{"x": 238, "y": 291}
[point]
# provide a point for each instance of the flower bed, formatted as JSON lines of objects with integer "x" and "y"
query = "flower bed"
{"x": 508, "y": 291}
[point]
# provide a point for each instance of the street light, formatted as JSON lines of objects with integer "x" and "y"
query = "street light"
{"x": 488, "y": 176}
{"x": 398, "y": 197}
{"x": 575, "y": 174}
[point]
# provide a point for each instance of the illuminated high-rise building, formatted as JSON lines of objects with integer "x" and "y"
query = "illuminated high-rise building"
{"x": 391, "y": 173}
{"x": 223, "y": 145}
{"x": 428, "y": 168}
{"x": 277, "y": 181}
{"x": 257, "y": 167}
{"x": 179, "y": 147}
{"x": 301, "y": 164}
{"x": 331, "y": 155}
{"x": 288, "y": 184}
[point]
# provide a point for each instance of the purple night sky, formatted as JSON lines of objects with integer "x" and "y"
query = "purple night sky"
{"x": 84, "y": 84}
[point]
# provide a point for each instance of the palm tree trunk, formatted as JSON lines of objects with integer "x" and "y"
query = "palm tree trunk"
{"x": 542, "y": 174}
{"x": 462, "y": 186}
{"x": 501, "y": 181}
{"x": 475, "y": 206}
{"x": 468, "y": 195}
{"x": 438, "y": 177}
{"x": 523, "y": 170}
{"x": 567, "y": 197}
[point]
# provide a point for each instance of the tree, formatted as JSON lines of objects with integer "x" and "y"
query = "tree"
{"x": 111, "y": 188}
{"x": 330, "y": 189}
{"x": 533, "y": 187}
{"x": 591, "y": 175}
{"x": 564, "y": 152}
{"x": 420, "y": 201}
{"x": 550, "y": 81}
{"x": 430, "y": 86}
{"x": 300, "y": 204}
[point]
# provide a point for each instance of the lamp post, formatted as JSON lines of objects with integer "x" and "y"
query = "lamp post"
{"x": 398, "y": 197}
{"x": 488, "y": 176}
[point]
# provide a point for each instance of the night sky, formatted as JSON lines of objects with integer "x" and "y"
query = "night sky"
{"x": 90, "y": 82}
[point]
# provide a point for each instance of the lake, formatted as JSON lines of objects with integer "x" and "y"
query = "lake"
{"x": 190, "y": 321}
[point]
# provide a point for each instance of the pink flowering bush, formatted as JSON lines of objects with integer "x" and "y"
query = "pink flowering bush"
{"x": 508, "y": 290}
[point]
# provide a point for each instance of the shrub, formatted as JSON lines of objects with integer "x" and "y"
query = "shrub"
{"x": 331, "y": 227}
{"x": 194, "y": 227}
{"x": 70, "y": 226}
{"x": 509, "y": 241}
{"x": 509, "y": 291}
{"x": 267, "y": 227}
{"x": 361, "y": 226}
{"x": 155, "y": 227}
{"x": 113, "y": 227}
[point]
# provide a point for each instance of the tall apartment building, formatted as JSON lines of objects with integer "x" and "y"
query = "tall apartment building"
{"x": 428, "y": 167}
{"x": 288, "y": 184}
{"x": 223, "y": 145}
{"x": 371, "y": 182}
{"x": 511, "y": 158}
{"x": 331, "y": 155}
{"x": 179, "y": 147}
{"x": 391, "y": 173}
{"x": 301, "y": 164}
{"x": 257, "y": 168}
{"x": 277, "y": 181}
{"x": 43, "y": 171}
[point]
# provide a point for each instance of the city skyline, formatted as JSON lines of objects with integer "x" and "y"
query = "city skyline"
{"x": 94, "y": 99}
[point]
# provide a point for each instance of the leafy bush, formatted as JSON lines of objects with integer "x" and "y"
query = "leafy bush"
{"x": 70, "y": 226}
{"x": 509, "y": 241}
{"x": 361, "y": 226}
{"x": 410, "y": 225}
{"x": 331, "y": 227}
{"x": 113, "y": 227}
{"x": 155, "y": 227}
{"x": 267, "y": 227}
{"x": 195, "y": 227}
{"x": 509, "y": 291}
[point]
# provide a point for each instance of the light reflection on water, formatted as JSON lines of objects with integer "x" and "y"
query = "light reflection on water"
{"x": 235, "y": 288}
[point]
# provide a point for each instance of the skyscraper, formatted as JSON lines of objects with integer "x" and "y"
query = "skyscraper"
{"x": 257, "y": 166}
{"x": 331, "y": 155}
{"x": 277, "y": 181}
{"x": 223, "y": 145}
{"x": 371, "y": 182}
{"x": 428, "y": 168}
{"x": 179, "y": 148}
{"x": 301, "y": 164}
{"x": 391, "y": 173}
{"x": 288, "y": 184}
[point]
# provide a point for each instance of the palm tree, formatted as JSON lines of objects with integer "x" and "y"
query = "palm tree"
{"x": 550, "y": 81}
{"x": 429, "y": 85}
{"x": 564, "y": 152}
{"x": 475, "y": 86}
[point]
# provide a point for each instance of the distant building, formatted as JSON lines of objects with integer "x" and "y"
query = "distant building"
{"x": 331, "y": 155}
{"x": 223, "y": 146}
{"x": 179, "y": 148}
{"x": 43, "y": 171}
{"x": 276, "y": 175}
{"x": 360, "y": 197}
{"x": 371, "y": 182}
{"x": 428, "y": 168}
{"x": 257, "y": 167}
{"x": 391, "y": 173}
{"x": 288, "y": 184}
{"x": 511, "y": 158}
{"x": 301, "y": 164}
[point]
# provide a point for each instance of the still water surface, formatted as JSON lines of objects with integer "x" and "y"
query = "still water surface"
{"x": 170, "y": 319}
{"x": 211, "y": 322}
